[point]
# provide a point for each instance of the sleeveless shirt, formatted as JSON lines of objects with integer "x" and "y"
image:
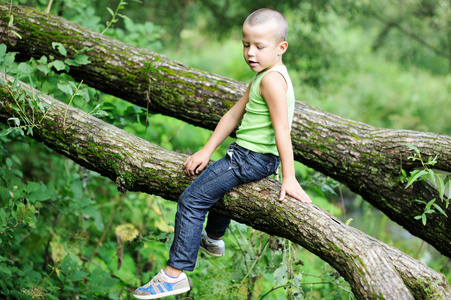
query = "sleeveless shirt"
{"x": 256, "y": 132}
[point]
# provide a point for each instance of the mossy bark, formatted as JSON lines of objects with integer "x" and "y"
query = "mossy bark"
{"x": 373, "y": 269}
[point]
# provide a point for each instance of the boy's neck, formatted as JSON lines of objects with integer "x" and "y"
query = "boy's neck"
{"x": 276, "y": 65}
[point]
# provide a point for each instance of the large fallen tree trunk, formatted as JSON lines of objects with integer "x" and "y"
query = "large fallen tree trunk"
{"x": 373, "y": 269}
{"x": 368, "y": 160}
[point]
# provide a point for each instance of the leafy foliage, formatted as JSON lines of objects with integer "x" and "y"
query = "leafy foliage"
{"x": 440, "y": 181}
{"x": 29, "y": 101}
{"x": 35, "y": 217}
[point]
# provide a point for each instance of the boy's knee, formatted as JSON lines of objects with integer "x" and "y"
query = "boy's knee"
{"x": 185, "y": 200}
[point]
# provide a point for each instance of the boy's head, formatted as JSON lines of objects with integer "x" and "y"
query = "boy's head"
{"x": 264, "y": 39}
{"x": 267, "y": 15}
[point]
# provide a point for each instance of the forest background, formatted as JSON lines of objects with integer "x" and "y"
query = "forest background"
{"x": 385, "y": 63}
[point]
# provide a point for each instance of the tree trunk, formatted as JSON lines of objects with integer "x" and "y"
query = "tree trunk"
{"x": 373, "y": 269}
{"x": 366, "y": 159}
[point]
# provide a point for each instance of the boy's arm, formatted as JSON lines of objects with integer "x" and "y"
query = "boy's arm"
{"x": 273, "y": 88}
{"x": 199, "y": 160}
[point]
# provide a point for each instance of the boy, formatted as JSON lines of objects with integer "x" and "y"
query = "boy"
{"x": 263, "y": 141}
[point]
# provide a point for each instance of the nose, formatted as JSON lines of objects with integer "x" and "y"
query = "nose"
{"x": 251, "y": 51}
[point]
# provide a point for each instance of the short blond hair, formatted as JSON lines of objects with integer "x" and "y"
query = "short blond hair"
{"x": 264, "y": 15}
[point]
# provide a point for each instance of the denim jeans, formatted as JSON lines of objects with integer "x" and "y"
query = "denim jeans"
{"x": 240, "y": 165}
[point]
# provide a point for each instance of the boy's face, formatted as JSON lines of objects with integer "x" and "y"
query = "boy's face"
{"x": 261, "y": 49}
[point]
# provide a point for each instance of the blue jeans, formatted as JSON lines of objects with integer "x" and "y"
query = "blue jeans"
{"x": 240, "y": 165}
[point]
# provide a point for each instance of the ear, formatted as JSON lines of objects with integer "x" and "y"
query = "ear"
{"x": 283, "y": 46}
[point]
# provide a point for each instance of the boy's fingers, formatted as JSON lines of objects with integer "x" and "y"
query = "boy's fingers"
{"x": 282, "y": 195}
{"x": 189, "y": 168}
{"x": 307, "y": 201}
{"x": 198, "y": 169}
{"x": 305, "y": 198}
{"x": 187, "y": 165}
{"x": 194, "y": 169}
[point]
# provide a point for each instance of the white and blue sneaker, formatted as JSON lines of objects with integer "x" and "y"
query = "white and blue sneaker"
{"x": 162, "y": 286}
{"x": 211, "y": 246}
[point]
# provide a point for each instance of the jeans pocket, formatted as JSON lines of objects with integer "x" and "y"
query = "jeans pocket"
{"x": 260, "y": 165}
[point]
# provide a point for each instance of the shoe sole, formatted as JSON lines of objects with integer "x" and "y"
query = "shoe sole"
{"x": 162, "y": 295}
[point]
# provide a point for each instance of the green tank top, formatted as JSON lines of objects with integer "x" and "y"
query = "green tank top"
{"x": 256, "y": 132}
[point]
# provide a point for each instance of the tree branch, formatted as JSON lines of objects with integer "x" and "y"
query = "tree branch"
{"x": 408, "y": 33}
{"x": 373, "y": 269}
{"x": 366, "y": 159}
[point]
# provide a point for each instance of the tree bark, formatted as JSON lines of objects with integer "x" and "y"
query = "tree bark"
{"x": 366, "y": 159}
{"x": 373, "y": 269}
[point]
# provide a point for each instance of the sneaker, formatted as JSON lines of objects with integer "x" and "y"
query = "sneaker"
{"x": 214, "y": 249}
{"x": 162, "y": 286}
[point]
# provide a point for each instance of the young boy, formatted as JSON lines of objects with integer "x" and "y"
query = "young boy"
{"x": 263, "y": 141}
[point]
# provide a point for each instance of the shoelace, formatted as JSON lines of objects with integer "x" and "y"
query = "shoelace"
{"x": 156, "y": 280}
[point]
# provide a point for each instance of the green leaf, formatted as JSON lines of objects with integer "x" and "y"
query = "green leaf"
{"x": 5, "y": 269}
{"x": 58, "y": 65}
{"x": 126, "y": 276}
{"x": 9, "y": 58}
{"x": 449, "y": 193}
{"x": 43, "y": 68}
{"x": 43, "y": 60}
{"x": 9, "y": 162}
{"x": 2, "y": 259}
{"x": 8, "y": 131}
{"x": 76, "y": 276}
{"x": 26, "y": 68}
{"x": 421, "y": 201}
{"x": 432, "y": 160}
{"x": 16, "y": 34}
{"x": 101, "y": 281}
{"x": 124, "y": 16}
{"x": 424, "y": 219}
{"x": 16, "y": 121}
{"x": 61, "y": 49}
{"x": 413, "y": 148}
{"x": 440, "y": 209}
{"x": 70, "y": 62}
{"x": 16, "y": 84}
{"x": 41, "y": 106}
{"x": 432, "y": 176}
{"x": 440, "y": 187}
{"x": 2, "y": 50}
{"x": 414, "y": 176}
{"x": 429, "y": 205}
{"x": 101, "y": 113}
{"x": 82, "y": 60}
{"x": 65, "y": 88}
{"x": 39, "y": 192}
{"x": 281, "y": 274}
{"x": 110, "y": 11}
{"x": 403, "y": 173}
{"x": 11, "y": 20}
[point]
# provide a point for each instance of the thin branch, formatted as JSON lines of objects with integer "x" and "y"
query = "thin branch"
{"x": 414, "y": 36}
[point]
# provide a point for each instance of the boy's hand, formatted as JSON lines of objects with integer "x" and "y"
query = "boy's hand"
{"x": 290, "y": 186}
{"x": 197, "y": 162}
